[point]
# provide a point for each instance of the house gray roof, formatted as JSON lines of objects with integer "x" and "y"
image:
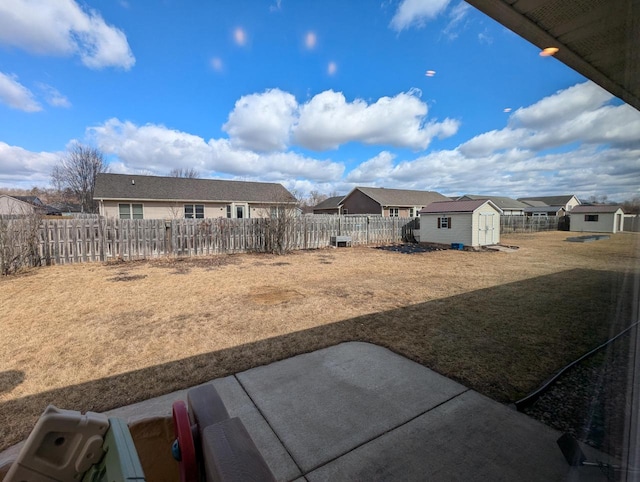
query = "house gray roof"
{"x": 598, "y": 208}
{"x": 502, "y": 202}
{"x": 535, "y": 203}
{"x": 465, "y": 206}
{"x": 401, "y": 197}
{"x": 133, "y": 187}
{"x": 550, "y": 200}
{"x": 329, "y": 203}
{"x": 35, "y": 200}
{"x": 543, "y": 209}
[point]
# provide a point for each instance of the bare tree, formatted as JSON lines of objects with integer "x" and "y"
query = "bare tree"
{"x": 190, "y": 173}
{"x": 77, "y": 171}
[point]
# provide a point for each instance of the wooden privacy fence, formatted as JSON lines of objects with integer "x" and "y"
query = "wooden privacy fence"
{"x": 92, "y": 239}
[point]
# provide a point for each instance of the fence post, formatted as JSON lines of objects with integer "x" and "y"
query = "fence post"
{"x": 168, "y": 246}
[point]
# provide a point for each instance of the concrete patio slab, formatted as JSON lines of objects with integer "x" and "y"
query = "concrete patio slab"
{"x": 324, "y": 404}
{"x": 470, "y": 437}
{"x": 357, "y": 411}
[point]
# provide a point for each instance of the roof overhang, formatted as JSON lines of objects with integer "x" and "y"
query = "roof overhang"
{"x": 598, "y": 39}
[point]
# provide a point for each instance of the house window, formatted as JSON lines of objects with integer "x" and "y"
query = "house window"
{"x": 277, "y": 211}
{"x": 591, "y": 217}
{"x": 410, "y": 212}
{"x": 194, "y": 211}
{"x": 444, "y": 222}
{"x": 394, "y": 212}
{"x": 239, "y": 212}
{"x": 345, "y": 211}
{"x": 228, "y": 210}
{"x": 130, "y": 211}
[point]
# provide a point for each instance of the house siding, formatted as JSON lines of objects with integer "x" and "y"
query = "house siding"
{"x": 10, "y": 205}
{"x": 606, "y": 223}
{"x": 175, "y": 210}
{"x": 359, "y": 203}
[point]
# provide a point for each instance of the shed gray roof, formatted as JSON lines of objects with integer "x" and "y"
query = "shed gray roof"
{"x": 133, "y": 187}
{"x": 465, "y": 206}
{"x": 329, "y": 203}
{"x": 598, "y": 208}
{"x": 550, "y": 200}
{"x": 401, "y": 197}
{"x": 502, "y": 202}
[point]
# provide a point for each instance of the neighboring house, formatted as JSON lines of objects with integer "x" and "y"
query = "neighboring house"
{"x": 544, "y": 211}
{"x": 469, "y": 222}
{"x": 603, "y": 218}
{"x": 329, "y": 206}
{"x": 567, "y": 201}
{"x": 388, "y": 202}
{"x": 67, "y": 209}
{"x": 509, "y": 207}
{"x": 23, "y": 205}
{"x": 128, "y": 196}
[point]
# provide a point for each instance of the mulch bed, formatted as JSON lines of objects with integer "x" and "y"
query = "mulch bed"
{"x": 408, "y": 248}
{"x": 589, "y": 400}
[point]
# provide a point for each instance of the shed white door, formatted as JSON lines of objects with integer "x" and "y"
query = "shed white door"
{"x": 486, "y": 229}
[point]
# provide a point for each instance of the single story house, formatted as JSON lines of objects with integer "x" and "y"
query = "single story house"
{"x": 544, "y": 211}
{"x": 509, "y": 207}
{"x": 24, "y": 205}
{"x": 127, "y": 196}
{"x": 470, "y": 222}
{"x": 330, "y": 205}
{"x": 388, "y": 202}
{"x": 567, "y": 201}
{"x": 601, "y": 218}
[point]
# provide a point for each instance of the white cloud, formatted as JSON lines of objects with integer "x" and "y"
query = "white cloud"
{"x": 240, "y": 36}
{"x": 456, "y": 15}
{"x": 53, "y": 97}
{"x": 378, "y": 167}
{"x": 262, "y": 122}
{"x": 22, "y": 168}
{"x": 16, "y": 95}
{"x": 216, "y": 64}
{"x": 562, "y": 106}
{"x": 64, "y": 28}
{"x": 328, "y": 120}
{"x": 158, "y": 149}
{"x": 310, "y": 40}
{"x": 415, "y": 13}
{"x": 578, "y": 114}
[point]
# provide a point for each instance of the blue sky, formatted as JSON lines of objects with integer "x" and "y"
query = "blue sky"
{"x": 316, "y": 95}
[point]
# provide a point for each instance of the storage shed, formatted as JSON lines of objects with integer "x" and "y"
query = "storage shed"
{"x": 471, "y": 223}
{"x": 602, "y": 218}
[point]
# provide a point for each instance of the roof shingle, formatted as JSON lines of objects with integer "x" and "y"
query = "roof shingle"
{"x": 134, "y": 187}
{"x": 402, "y": 197}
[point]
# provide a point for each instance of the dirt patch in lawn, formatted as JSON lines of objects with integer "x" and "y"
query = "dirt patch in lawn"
{"x": 500, "y": 323}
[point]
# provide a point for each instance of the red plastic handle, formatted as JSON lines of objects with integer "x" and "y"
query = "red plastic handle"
{"x": 182, "y": 428}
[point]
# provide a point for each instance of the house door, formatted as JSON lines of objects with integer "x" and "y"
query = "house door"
{"x": 619, "y": 222}
{"x": 486, "y": 230}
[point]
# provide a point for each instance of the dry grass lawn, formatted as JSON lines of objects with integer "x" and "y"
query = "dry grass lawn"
{"x": 98, "y": 336}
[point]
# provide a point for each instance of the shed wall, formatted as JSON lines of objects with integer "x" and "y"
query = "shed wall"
{"x": 460, "y": 232}
{"x": 605, "y": 223}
